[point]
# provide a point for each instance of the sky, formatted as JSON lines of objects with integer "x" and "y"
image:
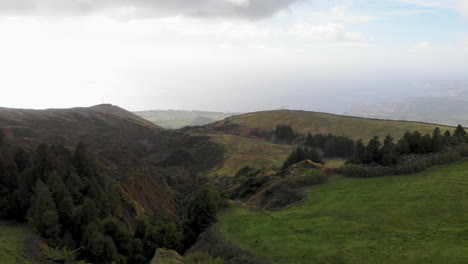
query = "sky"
{"x": 227, "y": 55}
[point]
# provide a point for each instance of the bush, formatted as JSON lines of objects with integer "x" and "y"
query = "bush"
{"x": 464, "y": 150}
{"x": 308, "y": 178}
{"x": 408, "y": 164}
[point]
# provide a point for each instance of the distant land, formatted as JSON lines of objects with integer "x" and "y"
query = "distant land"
{"x": 175, "y": 119}
{"x": 448, "y": 105}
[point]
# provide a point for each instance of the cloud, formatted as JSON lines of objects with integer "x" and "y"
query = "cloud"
{"x": 463, "y": 5}
{"x": 250, "y": 9}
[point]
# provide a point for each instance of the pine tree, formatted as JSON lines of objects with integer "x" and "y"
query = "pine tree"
{"x": 360, "y": 152}
{"x": 388, "y": 152}
{"x": 43, "y": 214}
{"x": 460, "y": 134}
{"x": 447, "y": 139}
{"x": 426, "y": 144}
{"x": 373, "y": 149}
{"x": 437, "y": 140}
{"x": 89, "y": 213}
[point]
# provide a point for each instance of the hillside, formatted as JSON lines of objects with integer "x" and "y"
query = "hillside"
{"x": 141, "y": 156}
{"x": 417, "y": 218}
{"x": 247, "y": 138}
{"x": 245, "y": 151}
{"x": 263, "y": 123}
{"x": 67, "y": 126}
{"x": 174, "y": 119}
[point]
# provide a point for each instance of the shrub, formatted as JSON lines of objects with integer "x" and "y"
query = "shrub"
{"x": 308, "y": 178}
{"x": 407, "y": 164}
{"x": 464, "y": 150}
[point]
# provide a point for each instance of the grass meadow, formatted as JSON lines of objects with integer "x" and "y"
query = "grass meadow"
{"x": 314, "y": 122}
{"x": 421, "y": 218}
{"x": 244, "y": 151}
{"x": 12, "y": 237}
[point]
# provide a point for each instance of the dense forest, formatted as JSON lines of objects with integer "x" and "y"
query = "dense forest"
{"x": 71, "y": 204}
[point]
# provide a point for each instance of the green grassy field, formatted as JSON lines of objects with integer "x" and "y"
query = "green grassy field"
{"x": 421, "y": 218}
{"x": 352, "y": 127}
{"x": 244, "y": 151}
{"x": 11, "y": 243}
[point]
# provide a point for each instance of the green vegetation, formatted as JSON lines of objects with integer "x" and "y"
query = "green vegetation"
{"x": 402, "y": 219}
{"x": 12, "y": 237}
{"x": 181, "y": 118}
{"x": 335, "y": 162}
{"x": 321, "y": 123}
{"x": 301, "y": 154}
{"x": 253, "y": 152}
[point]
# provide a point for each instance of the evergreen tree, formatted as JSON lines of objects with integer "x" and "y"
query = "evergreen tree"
{"x": 403, "y": 146}
{"x": 360, "y": 152}
{"x": 285, "y": 132}
{"x": 437, "y": 140}
{"x": 200, "y": 213}
{"x": 388, "y": 152}
{"x": 301, "y": 154}
{"x": 447, "y": 139}
{"x": 460, "y": 134}
{"x": 373, "y": 150}
{"x": 89, "y": 213}
{"x": 426, "y": 144}
{"x": 43, "y": 214}
{"x": 98, "y": 248}
{"x": 82, "y": 162}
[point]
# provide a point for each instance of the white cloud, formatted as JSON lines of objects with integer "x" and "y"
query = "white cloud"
{"x": 463, "y": 5}
{"x": 251, "y": 9}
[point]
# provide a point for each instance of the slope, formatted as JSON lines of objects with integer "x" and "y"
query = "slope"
{"x": 263, "y": 123}
{"x": 144, "y": 158}
{"x": 418, "y": 218}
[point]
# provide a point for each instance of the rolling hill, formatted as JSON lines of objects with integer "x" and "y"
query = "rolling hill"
{"x": 303, "y": 122}
{"x": 417, "y": 218}
{"x": 247, "y": 138}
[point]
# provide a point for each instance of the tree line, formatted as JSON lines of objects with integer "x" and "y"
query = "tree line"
{"x": 388, "y": 152}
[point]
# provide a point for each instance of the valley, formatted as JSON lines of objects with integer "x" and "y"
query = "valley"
{"x": 246, "y": 189}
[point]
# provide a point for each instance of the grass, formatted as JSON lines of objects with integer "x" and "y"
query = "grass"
{"x": 245, "y": 151}
{"x": 352, "y": 127}
{"x": 12, "y": 236}
{"x": 335, "y": 162}
{"x": 421, "y": 218}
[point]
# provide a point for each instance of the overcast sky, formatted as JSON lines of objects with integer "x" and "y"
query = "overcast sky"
{"x": 227, "y": 55}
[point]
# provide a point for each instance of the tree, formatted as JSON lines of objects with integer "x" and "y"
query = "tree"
{"x": 360, "y": 152}
{"x": 388, "y": 152}
{"x": 89, "y": 213}
{"x": 437, "y": 140}
{"x": 426, "y": 144}
{"x": 200, "y": 213}
{"x": 373, "y": 150}
{"x": 460, "y": 134}
{"x": 447, "y": 139}
{"x": 285, "y": 132}
{"x": 82, "y": 162}
{"x": 43, "y": 214}
{"x": 301, "y": 154}
{"x": 98, "y": 248}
